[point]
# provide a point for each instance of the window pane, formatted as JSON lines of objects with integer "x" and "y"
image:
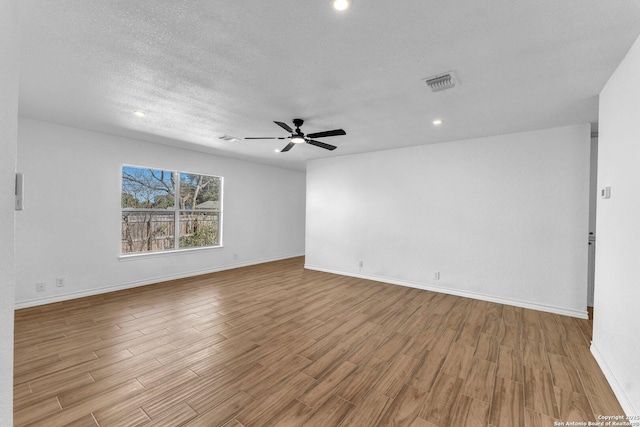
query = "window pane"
{"x": 199, "y": 229}
{"x": 199, "y": 192}
{"x": 147, "y": 231}
{"x": 147, "y": 188}
{"x": 161, "y": 213}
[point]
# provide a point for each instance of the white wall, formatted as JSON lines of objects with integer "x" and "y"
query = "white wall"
{"x": 616, "y": 340}
{"x": 71, "y": 223}
{"x": 593, "y": 199}
{"x": 502, "y": 218}
{"x": 8, "y": 139}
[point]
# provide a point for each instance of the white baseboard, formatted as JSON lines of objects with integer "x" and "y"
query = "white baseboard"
{"x": 524, "y": 304}
{"x": 625, "y": 402}
{"x": 143, "y": 282}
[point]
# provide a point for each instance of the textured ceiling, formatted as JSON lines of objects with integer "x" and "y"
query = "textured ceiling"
{"x": 203, "y": 69}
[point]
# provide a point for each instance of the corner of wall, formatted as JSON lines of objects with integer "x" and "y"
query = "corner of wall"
{"x": 616, "y": 342}
{"x": 9, "y": 81}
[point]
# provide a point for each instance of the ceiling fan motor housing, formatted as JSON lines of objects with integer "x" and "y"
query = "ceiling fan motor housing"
{"x": 298, "y": 137}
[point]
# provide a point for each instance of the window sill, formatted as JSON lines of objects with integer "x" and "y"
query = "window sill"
{"x": 133, "y": 257}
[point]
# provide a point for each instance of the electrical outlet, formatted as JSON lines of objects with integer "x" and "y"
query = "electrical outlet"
{"x": 60, "y": 282}
{"x": 235, "y": 256}
{"x": 361, "y": 263}
{"x": 436, "y": 275}
{"x": 41, "y": 287}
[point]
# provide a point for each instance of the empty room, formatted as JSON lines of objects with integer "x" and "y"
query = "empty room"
{"x": 319, "y": 213}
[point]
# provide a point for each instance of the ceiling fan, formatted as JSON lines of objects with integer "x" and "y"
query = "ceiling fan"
{"x": 298, "y": 137}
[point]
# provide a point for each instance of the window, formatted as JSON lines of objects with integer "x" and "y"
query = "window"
{"x": 168, "y": 210}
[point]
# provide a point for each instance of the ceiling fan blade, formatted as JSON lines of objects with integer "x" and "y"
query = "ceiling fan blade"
{"x": 321, "y": 144}
{"x": 265, "y": 137}
{"x": 284, "y": 126}
{"x": 288, "y": 147}
{"x": 334, "y": 132}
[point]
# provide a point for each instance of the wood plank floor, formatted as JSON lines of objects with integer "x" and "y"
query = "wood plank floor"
{"x": 275, "y": 344}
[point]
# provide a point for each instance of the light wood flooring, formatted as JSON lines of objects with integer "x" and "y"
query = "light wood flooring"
{"x": 275, "y": 344}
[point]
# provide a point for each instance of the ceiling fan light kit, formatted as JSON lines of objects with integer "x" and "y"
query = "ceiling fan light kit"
{"x": 297, "y": 137}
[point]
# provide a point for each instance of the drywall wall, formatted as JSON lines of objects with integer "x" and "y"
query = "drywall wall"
{"x": 593, "y": 199}
{"x": 8, "y": 142}
{"x": 616, "y": 341}
{"x": 70, "y": 226}
{"x": 502, "y": 218}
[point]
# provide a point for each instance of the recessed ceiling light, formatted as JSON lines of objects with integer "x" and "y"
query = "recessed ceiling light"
{"x": 341, "y": 4}
{"x": 139, "y": 113}
{"x": 437, "y": 122}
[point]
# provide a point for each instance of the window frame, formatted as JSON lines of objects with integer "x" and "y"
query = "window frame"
{"x": 176, "y": 211}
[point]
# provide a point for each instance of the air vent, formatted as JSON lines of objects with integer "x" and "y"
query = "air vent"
{"x": 441, "y": 82}
{"x": 229, "y": 138}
